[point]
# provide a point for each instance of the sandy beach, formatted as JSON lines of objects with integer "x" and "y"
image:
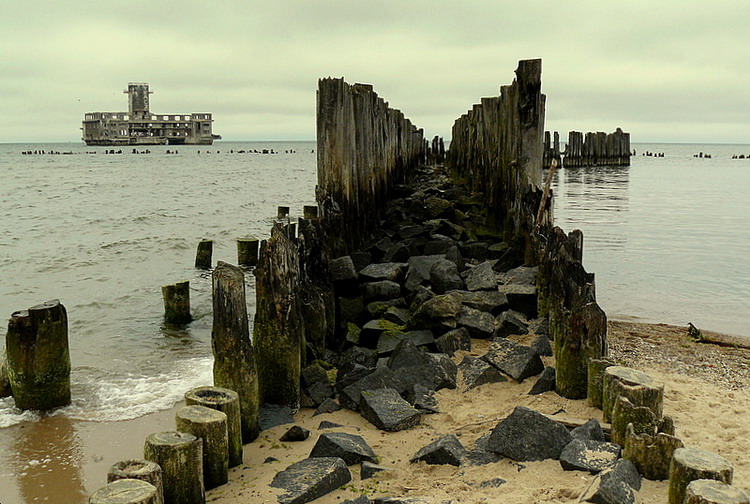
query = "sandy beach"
{"x": 706, "y": 392}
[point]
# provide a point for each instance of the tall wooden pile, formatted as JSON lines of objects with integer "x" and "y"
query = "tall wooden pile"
{"x": 597, "y": 149}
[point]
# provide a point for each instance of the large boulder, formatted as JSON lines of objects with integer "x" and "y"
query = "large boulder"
{"x": 517, "y": 361}
{"x": 480, "y": 324}
{"x": 382, "y": 290}
{"x": 481, "y": 277}
{"x": 381, "y": 378}
{"x": 489, "y": 301}
{"x": 592, "y": 456}
{"x": 446, "y": 450}
{"x": 418, "y": 271}
{"x": 343, "y": 276}
{"x": 528, "y": 435}
{"x": 311, "y": 478}
{"x": 444, "y": 277}
{"x": 510, "y": 323}
{"x": 351, "y": 448}
{"x": 393, "y": 271}
{"x": 439, "y": 313}
{"x": 477, "y": 372}
{"x": 457, "y": 339}
{"x": 414, "y": 367}
{"x": 387, "y": 410}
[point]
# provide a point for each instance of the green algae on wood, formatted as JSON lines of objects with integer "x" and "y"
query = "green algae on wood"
{"x": 39, "y": 357}
{"x": 228, "y": 402}
{"x": 180, "y": 456}
{"x": 177, "y": 303}
{"x": 211, "y": 426}
{"x": 125, "y": 491}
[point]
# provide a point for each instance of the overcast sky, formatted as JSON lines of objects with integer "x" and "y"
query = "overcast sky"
{"x": 663, "y": 70}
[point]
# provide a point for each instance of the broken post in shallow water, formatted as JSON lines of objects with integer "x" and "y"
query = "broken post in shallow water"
{"x": 38, "y": 356}
{"x": 211, "y": 426}
{"x": 203, "y": 255}
{"x": 228, "y": 402}
{"x": 247, "y": 251}
{"x": 125, "y": 491}
{"x": 177, "y": 303}
{"x": 139, "y": 469}
{"x": 180, "y": 456}
{"x": 234, "y": 357}
{"x": 4, "y": 382}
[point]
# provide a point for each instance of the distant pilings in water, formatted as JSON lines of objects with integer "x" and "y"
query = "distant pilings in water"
{"x": 589, "y": 149}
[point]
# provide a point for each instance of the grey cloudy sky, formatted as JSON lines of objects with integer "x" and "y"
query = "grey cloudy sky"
{"x": 663, "y": 70}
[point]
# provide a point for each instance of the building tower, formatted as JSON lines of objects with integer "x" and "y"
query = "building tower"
{"x": 138, "y": 100}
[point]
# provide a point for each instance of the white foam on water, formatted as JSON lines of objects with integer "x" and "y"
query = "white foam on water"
{"x": 99, "y": 397}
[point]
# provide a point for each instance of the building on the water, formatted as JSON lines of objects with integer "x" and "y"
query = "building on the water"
{"x": 139, "y": 126}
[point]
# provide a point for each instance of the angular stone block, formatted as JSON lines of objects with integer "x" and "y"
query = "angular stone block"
{"x": 545, "y": 382}
{"x": 517, "y": 361}
{"x": 528, "y": 435}
{"x": 378, "y": 379}
{"x": 446, "y": 450}
{"x": 591, "y": 430}
{"x": 592, "y": 456}
{"x": 387, "y": 410}
{"x": 311, "y": 478}
{"x": 350, "y": 448}
{"x": 457, "y": 339}
{"x": 477, "y": 372}
{"x": 481, "y": 277}
{"x": 480, "y": 324}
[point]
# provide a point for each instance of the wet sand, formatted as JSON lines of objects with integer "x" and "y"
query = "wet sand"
{"x": 57, "y": 460}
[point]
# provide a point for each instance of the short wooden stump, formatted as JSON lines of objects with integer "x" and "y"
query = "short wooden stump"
{"x": 638, "y": 387}
{"x": 228, "y": 402}
{"x": 180, "y": 456}
{"x": 211, "y": 426}
{"x": 689, "y": 464}
{"x": 125, "y": 491}
{"x": 704, "y": 491}
{"x": 139, "y": 469}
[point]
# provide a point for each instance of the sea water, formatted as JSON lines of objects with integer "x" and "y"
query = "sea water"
{"x": 667, "y": 238}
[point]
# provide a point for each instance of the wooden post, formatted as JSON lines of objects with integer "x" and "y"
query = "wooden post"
{"x": 125, "y": 491}
{"x": 177, "y": 303}
{"x": 139, "y": 469}
{"x": 203, "y": 255}
{"x": 4, "y": 381}
{"x": 706, "y": 491}
{"x": 228, "y": 402}
{"x": 596, "y": 380}
{"x": 638, "y": 387}
{"x": 247, "y": 251}
{"x": 38, "y": 356}
{"x": 211, "y": 426}
{"x": 689, "y": 464}
{"x": 180, "y": 456}
{"x": 234, "y": 358}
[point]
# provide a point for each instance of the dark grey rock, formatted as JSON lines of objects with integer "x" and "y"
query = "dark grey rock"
{"x": 378, "y": 249}
{"x": 374, "y": 329}
{"x": 438, "y": 245}
{"x": 477, "y": 372}
{"x": 625, "y": 471}
{"x": 475, "y": 250}
{"x": 387, "y": 410}
{"x": 447, "y": 228}
{"x": 539, "y": 326}
{"x": 418, "y": 271}
{"x": 378, "y": 309}
{"x": 312, "y": 374}
{"x": 493, "y": 483}
{"x": 295, "y": 433}
{"x": 497, "y": 250}
{"x": 480, "y": 324}
{"x": 389, "y": 341}
{"x": 453, "y": 254}
{"x": 378, "y": 379}
{"x": 406, "y": 500}
{"x": 360, "y": 259}
{"x": 446, "y": 450}
{"x": 438, "y": 207}
{"x": 591, "y": 430}
{"x": 510, "y": 322}
{"x": 480, "y": 458}
{"x": 523, "y": 275}
{"x": 412, "y": 231}
{"x": 351, "y": 309}
{"x": 380, "y": 291}
{"x": 414, "y": 367}
{"x": 327, "y": 406}
{"x": 541, "y": 345}
{"x": 325, "y": 424}
{"x": 357, "y": 355}
{"x": 545, "y": 382}
{"x": 438, "y": 313}
{"x": 489, "y": 301}
{"x": 522, "y": 298}
{"x": 609, "y": 490}
{"x": 457, "y": 339}
{"x": 368, "y": 470}
{"x": 399, "y": 252}
{"x": 269, "y": 460}
{"x": 481, "y": 277}
{"x": 526, "y": 435}
{"x": 343, "y": 276}
{"x": 444, "y": 277}
{"x": 592, "y": 456}
{"x": 394, "y": 271}
{"x": 517, "y": 361}
{"x": 272, "y": 415}
{"x": 350, "y": 373}
{"x": 399, "y": 316}
{"x": 511, "y": 257}
{"x": 319, "y": 392}
{"x": 351, "y": 448}
{"x": 362, "y": 499}
{"x": 311, "y": 478}
{"x": 423, "y": 399}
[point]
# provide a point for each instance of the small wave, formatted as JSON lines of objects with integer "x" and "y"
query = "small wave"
{"x": 10, "y": 415}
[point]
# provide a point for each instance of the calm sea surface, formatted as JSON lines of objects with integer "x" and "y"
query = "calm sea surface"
{"x": 667, "y": 238}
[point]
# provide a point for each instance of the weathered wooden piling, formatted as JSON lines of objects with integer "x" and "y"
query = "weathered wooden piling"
{"x": 234, "y": 358}
{"x": 210, "y": 425}
{"x": 282, "y": 212}
{"x": 247, "y": 251}
{"x": 38, "y": 356}
{"x": 139, "y": 469}
{"x": 228, "y": 402}
{"x": 690, "y": 464}
{"x": 5, "y": 390}
{"x": 125, "y": 491}
{"x": 177, "y": 303}
{"x": 278, "y": 329}
{"x": 180, "y": 456}
{"x": 596, "y": 149}
{"x": 203, "y": 254}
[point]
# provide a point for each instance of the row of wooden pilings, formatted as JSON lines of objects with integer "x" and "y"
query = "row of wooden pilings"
{"x": 589, "y": 149}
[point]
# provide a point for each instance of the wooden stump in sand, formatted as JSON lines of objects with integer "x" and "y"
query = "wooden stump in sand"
{"x": 706, "y": 491}
{"x": 689, "y": 464}
{"x": 596, "y": 380}
{"x": 203, "y": 254}
{"x": 624, "y": 413}
{"x": 651, "y": 454}
{"x": 177, "y": 303}
{"x": 125, "y": 491}
{"x": 234, "y": 357}
{"x": 38, "y": 356}
{"x": 180, "y": 456}
{"x": 211, "y": 426}
{"x": 139, "y": 469}
{"x": 638, "y": 387}
{"x": 228, "y": 402}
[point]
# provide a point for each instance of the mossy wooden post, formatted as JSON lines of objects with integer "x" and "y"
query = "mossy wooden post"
{"x": 38, "y": 356}
{"x": 624, "y": 413}
{"x": 706, "y": 491}
{"x": 638, "y": 387}
{"x": 278, "y": 329}
{"x": 689, "y": 464}
{"x": 203, "y": 254}
{"x": 211, "y": 426}
{"x": 651, "y": 454}
{"x": 140, "y": 469}
{"x": 4, "y": 381}
{"x": 228, "y": 402}
{"x": 125, "y": 491}
{"x": 234, "y": 357}
{"x": 596, "y": 380}
{"x": 177, "y": 303}
{"x": 247, "y": 251}
{"x": 180, "y": 456}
